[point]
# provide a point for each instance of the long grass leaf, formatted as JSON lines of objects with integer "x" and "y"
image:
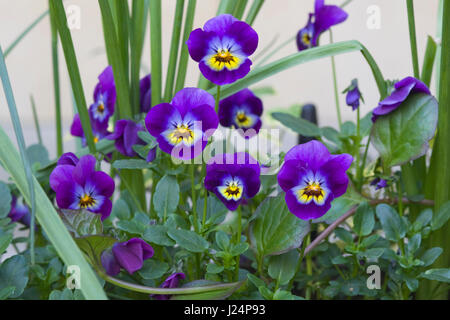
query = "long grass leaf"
{"x": 24, "y": 33}
{"x": 123, "y": 20}
{"x": 412, "y": 37}
{"x": 50, "y": 221}
{"x": 184, "y": 56}
{"x": 298, "y": 58}
{"x": 21, "y": 143}
{"x": 59, "y": 14}
{"x": 428, "y": 61}
{"x": 117, "y": 62}
{"x": 174, "y": 47}
{"x": 36, "y": 119}
{"x": 156, "y": 50}
{"x": 254, "y": 10}
{"x": 56, "y": 87}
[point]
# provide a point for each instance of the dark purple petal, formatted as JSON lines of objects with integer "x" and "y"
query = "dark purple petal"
{"x": 251, "y": 179}
{"x": 313, "y": 153}
{"x": 305, "y": 35}
{"x": 328, "y": 16}
{"x": 171, "y": 282}
{"x": 335, "y": 171}
{"x": 131, "y": 254}
{"x": 76, "y": 129}
{"x": 308, "y": 211}
{"x": 151, "y": 155}
{"x": 60, "y": 174}
{"x": 190, "y": 98}
{"x": 84, "y": 169}
{"x": 105, "y": 209}
{"x": 220, "y": 24}
{"x": 118, "y": 130}
{"x": 245, "y": 36}
{"x": 68, "y": 159}
{"x": 104, "y": 184}
{"x": 158, "y": 118}
{"x": 352, "y": 98}
{"x": 207, "y": 116}
{"x": 198, "y": 44}
{"x": 145, "y": 87}
{"x": 109, "y": 263}
{"x": 291, "y": 174}
{"x": 66, "y": 195}
{"x": 225, "y": 76}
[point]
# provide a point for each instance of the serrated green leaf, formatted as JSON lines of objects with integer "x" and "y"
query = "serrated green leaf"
{"x": 93, "y": 246}
{"x": 282, "y": 267}
{"x": 188, "y": 240}
{"x": 81, "y": 222}
{"x": 275, "y": 230}
{"x": 403, "y": 135}
{"x": 14, "y": 273}
{"x": 393, "y": 226}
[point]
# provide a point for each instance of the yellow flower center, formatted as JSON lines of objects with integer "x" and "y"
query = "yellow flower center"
{"x": 306, "y": 39}
{"x": 101, "y": 108}
{"x": 313, "y": 191}
{"x": 86, "y": 201}
{"x": 96, "y": 139}
{"x": 242, "y": 119}
{"x": 224, "y": 59}
{"x": 180, "y": 134}
{"x": 231, "y": 190}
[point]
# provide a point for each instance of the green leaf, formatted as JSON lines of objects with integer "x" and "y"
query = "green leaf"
{"x": 214, "y": 268}
{"x": 364, "y": 220}
{"x": 5, "y": 200}
{"x": 65, "y": 294}
{"x": 403, "y": 135}
{"x": 393, "y": 226}
{"x": 6, "y": 292}
{"x": 275, "y": 230}
{"x": 189, "y": 240}
{"x": 131, "y": 164}
{"x": 414, "y": 244}
{"x": 217, "y": 292}
{"x": 282, "y": 267}
{"x": 121, "y": 210}
{"x": 167, "y": 196}
{"x": 215, "y": 210}
{"x": 153, "y": 269}
{"x": 338, "y": 208}
{"x": 138, "y": 225}
{"x": 442, "y": 216}
{"x": 158, "y": 235}
{"x": 14, "y": 273}
{"x": 81, "y": 222}
{"x": 285, "y": 295}
{"x": 38, "y": 154}
{"x": 5, "y": 240}
{"x": 93, "y": 246}
{"x": 373, "y": 253}
{"x": 222, "y": 240}
{"x": 298, "y": 125}
{"x": 239, "y": 249}
{"x": 430, "y": 256}
{"x": 422, "y": 220}
{"x": 344, "y": 235}
{"x": 428, "y": 61}
{"x": 442, "y": 275}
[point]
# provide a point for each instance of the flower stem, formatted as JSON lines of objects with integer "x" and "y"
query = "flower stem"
{"x": 363, "y": 164}
{"x": 412, "y": 38}
{"x": 299, "y": 264}
{"x": 194, "y": 198}
{"x": 238, "y": 241}
{"x": 218, "y": 99}
{"x": 357, "y": 146}
{"x": 336, "y": 91}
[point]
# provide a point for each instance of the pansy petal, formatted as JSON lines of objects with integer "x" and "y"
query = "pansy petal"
{"x": 159, "y": 117}
{"x": 245, "y": 36}
{"x": 62, "y": 173}
{"x": 326, "y": 17}
{"x": 66, "y": 195}
{"x": 313, "y": 153}
{"x": 291, "y": 173}
{"x": 220, "y": 24}
{"x": 225, "y": 76}
{"x": 335, "y": 171}
{"x": 103, "y": 183}
{"x": 105, "y": 209}
{"x": 207, "y": 116}
{"x": 84, "y": 169}
{"x": 198, "y": 44}
{"x": 109, "y": 263}
{"x": 307, "y": 211}
{"x": 190, "y": 98}
{"x": 127, "y": 258}
{"x": 68, "y": 158}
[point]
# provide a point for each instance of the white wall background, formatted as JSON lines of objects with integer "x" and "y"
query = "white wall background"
{"x": 31, "y": 72}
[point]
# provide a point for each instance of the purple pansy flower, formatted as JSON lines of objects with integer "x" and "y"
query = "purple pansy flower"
{"x": 379, "y": 183}
{"x": 182, "y": 127}
{"x": 146, "y": 93}
{"x": 19, "y": 212}
{"x": 324, "y": 17}
{"x": 233, "y": 177}
{"x": 312, "y": 178}
{"x": 129, "y": 255}
{"x": 222, "y": 48}
{"x": 99, "y": 130}
{"x": 403, "y": 89}
{"x": 242, "y": 110}
{"x": 353, "y": 95}
{"x": 126, "y": 136}
{"x": 171, "y": 282}
{"x": 79, "y": 186}
{"x": 68, "y": 158}
{"x": 104, "y": 99}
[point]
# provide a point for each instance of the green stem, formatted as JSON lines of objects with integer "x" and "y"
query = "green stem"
{"x": 299, "y": 265}
{"x": 308, "y": 269}
{"x": 194, "y": 198}
{"x": 254, "y": 10}
{"x": 335, "y": 86}
{"x": 218, "y": 99}
{"x": 238, "y": 240}
{"x": 36, "y": 119}
{"x": 357, "y": 146}
{"x": 363, "y": 164}
{"x": 156, "y": 50}
{"x": 412, "y": 38}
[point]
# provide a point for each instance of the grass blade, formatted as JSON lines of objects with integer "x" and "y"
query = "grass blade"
{"x": 295, "y": 59}
{"x": 117, "y": 62}
{"x": 428, "y": 61}
{"x": 50, "y": 221}
{"x": 139, "y": 15}
{"x": 412, "y": 37}
{"x": 21, "y": 142}
{"x": 59, "y": 14}
{"x": 123, "y": 19}
{"x": 24, "y": 33}
{"x": 184, "y": 56}
{"x": 36, "y": 119}
{"x": 240, "y": 9}
{"x": 253, "y": 12}
{"x": 174, "y": 47}
{"x": 156, "y": 50}
{"x": 56, "y": 87}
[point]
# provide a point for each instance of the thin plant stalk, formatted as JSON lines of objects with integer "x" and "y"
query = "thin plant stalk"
{"x": 335, "y": 86}
{"x": 36, "y": 119}
{"x": 156, "y": 50}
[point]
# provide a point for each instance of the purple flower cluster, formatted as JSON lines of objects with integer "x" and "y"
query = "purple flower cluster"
{"x": 233, "y": 178}
{"x": 312, "y": 178}
{"x": 79, "y": 186}
{"x": 222, "y": 49}
{"x": 323, "y": 18}
{"x": 129, "y": 255}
